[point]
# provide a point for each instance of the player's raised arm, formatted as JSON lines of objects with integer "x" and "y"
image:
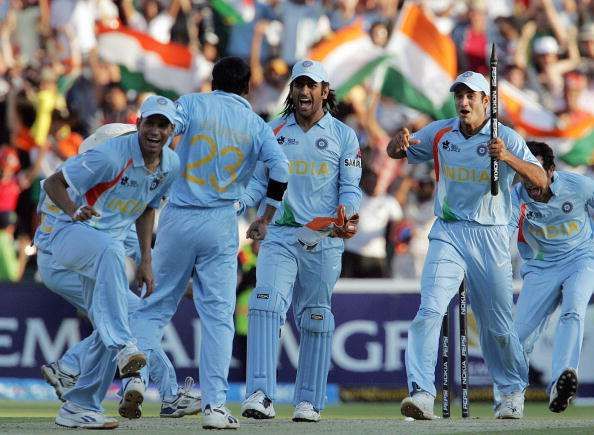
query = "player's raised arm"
{"x": 400, "y": 143}
{"x": 528, "y": 169}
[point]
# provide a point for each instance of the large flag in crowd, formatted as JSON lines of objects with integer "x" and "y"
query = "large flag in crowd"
{"x": 573, "y": 138}
{"x": 422, "y": 64}
{"x": 349, "y": 57}
{"x": 148, "y": 65}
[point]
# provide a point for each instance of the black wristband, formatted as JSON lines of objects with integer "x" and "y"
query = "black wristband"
{"x": 275, "y": 189}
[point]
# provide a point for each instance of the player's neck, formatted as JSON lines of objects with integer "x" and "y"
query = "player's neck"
{"x": 308, "y": 122}
{"x": 152, "y": 161}
{"x": 471, "y": 129}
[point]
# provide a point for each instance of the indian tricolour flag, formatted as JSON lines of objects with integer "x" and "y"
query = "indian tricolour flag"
{"x": 422, "y": 64}
{"x": 573, "y": 140}
{"x": 349, "y": 56}
{"x": 148, "y": 65}
{"x": 235, "y": 11}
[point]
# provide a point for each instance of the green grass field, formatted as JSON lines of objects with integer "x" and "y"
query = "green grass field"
{"x": 359, "y": 418}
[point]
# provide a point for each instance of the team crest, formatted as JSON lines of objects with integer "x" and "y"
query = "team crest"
{"x": 321, "y": 143}
{"x": 567, "y": 207}
{"x": 155, "y": 183}
{"x": 280, "y": 140}
{"x": 481, "y": 150}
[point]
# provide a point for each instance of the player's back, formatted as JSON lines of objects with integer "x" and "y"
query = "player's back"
{"x": 219, "y": 148}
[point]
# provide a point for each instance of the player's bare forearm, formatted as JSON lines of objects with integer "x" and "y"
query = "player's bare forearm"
{"x": 534, "y": 173}
{"x": 55, "y": 186}
{"x": 144, "y": 230}
{"x": 268, "y": 213}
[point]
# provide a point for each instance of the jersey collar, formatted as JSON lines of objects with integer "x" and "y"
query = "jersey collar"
{"x": 324, "y": 121}
{"x": 137, "y": 159}
{"x": 556, "y": 184}
{"x": 239, "y": 99}
{"x": 486, "y": 130}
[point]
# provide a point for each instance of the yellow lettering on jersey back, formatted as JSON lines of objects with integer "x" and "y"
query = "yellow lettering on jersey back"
{"x": 213, "y": 151}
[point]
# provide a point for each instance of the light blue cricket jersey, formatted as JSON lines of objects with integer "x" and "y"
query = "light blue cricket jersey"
{"x": 113, "y": 179}
{"x": 558, "y": 229}
{"x": 463, "y": 171}
{"x": 222, "y": 139}
{"x": 324, "y": 171}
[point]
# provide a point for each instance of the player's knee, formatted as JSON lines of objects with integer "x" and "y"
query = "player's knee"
{"x": 569, "y": 316}
{"x": 267, "y": 299}
{"x": 426, "y": 313}
{"x": 317, "y": 319}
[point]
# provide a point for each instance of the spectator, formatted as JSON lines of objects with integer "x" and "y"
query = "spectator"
{"x": 365, "y": 254}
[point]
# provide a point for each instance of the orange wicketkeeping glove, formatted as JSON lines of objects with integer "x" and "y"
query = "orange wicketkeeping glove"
{"x": 339, "y": 226}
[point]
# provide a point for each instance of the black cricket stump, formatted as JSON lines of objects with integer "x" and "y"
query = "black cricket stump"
{"x": 494, "y": 121}
{"x": 445, "y": 350}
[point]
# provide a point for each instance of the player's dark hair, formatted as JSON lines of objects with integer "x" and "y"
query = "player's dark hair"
{"x": 329, "y": 104}
{"x": 231, "y": 74}
{"x": 543, "y": 150}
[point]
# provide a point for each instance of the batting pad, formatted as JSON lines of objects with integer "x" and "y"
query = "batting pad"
{"x": 263, "y": 338}
{"x": 315, "y": 351}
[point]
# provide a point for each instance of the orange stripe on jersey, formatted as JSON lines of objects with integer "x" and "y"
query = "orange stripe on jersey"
{"x": 93, "y": 195}
{"x": 278, "y": 128}
{"x": 521, "y": 224}
{"x": 436, "y": 140}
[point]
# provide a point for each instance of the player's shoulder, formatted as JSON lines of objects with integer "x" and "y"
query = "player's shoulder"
{"x": 572, "y": 178}
{"x": 278, "y": 123}
{"x": 441, "y": 125}
{"x": 171, "y": 161}
{"x": 508, "y": 133}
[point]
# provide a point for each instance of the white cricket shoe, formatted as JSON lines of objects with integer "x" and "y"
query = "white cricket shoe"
{"x": 132, "y": 398}
{"x": 511, "y": 407}
{"x": 184, "y": 404}
{"x": 419, "y": 406}
{"x": 306, "y": 412}
{"x": 258, "y": 406}
{"x": 73, "y": 416}
{"x": 563, "y": 390}
{"x": 57, "y": 378}
{"x": 218, "y": 417}
{"x": 130, "y": 360}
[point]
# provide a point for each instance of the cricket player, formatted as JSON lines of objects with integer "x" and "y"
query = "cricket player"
{"x": 63, "y": 374}
{"x": 555, "y": 243}
{"x": 88, "y": 238}
{"x": 297, "y": 264}
{"x": 468, "y": 240}
{"x": 221, "y": 141}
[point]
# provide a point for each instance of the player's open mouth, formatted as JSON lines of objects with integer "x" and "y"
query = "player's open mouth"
{"x": 304, "y": 103}
{"x": 153, "y": 140}
{"x": 534, "y": 192}
{"x": 464, "y": 112}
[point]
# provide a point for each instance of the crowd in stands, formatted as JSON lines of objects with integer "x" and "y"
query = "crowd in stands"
{"x": 56, "y": 88}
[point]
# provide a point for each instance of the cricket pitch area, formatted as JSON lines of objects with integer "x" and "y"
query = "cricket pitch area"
{"x": 351, "y": 418}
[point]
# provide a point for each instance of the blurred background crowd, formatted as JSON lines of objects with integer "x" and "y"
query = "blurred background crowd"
{"x": 61, "y": 76}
